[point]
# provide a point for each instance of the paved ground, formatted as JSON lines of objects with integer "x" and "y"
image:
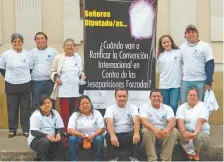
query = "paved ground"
{"x": 17, "y": 149}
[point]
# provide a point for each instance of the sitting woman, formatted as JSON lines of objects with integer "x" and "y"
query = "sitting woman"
{"x": 46, "y": 130}
{"x": 86, "y": 127}
{"x": 192, "y": 118}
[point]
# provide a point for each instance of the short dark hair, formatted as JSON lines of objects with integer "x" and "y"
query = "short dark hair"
{"x": 43, "y": 98}
{"x": 193, "y": 89}
{"x": 40, "y": 33}
{"x": 41, "y": 102}
{"x": 79, "y": 102}
{"x": 155, "y": 90}
{"x": 121, "y": 89}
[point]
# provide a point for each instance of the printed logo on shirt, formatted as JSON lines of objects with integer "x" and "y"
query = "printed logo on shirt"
{"x": 116, "y": 118}
{"x": 149, "y": 115}
{"x": 94, "y": 125}
{"x": 196, "y": 51}
{"x": 164, "y": 117}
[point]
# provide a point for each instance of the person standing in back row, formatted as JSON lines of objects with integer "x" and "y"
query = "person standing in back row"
{"x": 170, "y": 59}
{"x": 198, "y": 64}
{"x": 15, "y": 67}
{"x": 42, "y": 57}
{"x": 65, "y": 72}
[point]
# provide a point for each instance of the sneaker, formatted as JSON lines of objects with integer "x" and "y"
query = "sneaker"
{"x": 133, "y": 159}
{"x": 114, "y": 160}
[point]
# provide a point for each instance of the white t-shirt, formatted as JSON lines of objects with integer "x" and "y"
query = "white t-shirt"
{"x": 122, "y": 117}
{"x": 71, "y": 70}
{"x": 86, "y": 124}
{"x": 45, "y": 124}
{"x": 158, "y": 117}
{"x": 170, "y": 76}
{"x": 191, "y": 116}
{"x": 42, "y": 60}
{"x": 17, "y": 66}
{"x": 194, "y": 60}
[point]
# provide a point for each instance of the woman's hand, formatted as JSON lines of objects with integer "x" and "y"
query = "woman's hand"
{"x": 58, "y": 138}
{"x": 83, "y": 76}
{"x": 58, "y": 81}
{"x": 83, "y": 136}
{"x": 50, "y": 138}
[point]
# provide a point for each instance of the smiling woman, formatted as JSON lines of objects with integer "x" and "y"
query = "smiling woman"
{"x": 15, "y": 67}
{"x": 47, "y": 129}
{"x": 66, "y": 72}
{"x": 86, "y": 126}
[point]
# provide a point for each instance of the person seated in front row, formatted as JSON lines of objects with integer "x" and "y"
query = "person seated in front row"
{"x": 86, "y": 127}
{"x": 46, "y": 131}
{"x": 192, "y": 118}
{"x": 159, "y": 124}
{"x": 123, "y": 126}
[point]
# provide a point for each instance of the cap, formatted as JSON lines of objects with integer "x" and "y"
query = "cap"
{"x": 15, "y": 36}
{"x": 191, "y": 27}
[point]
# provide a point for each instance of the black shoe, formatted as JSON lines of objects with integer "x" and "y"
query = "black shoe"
{"x": 11, "y": 134}
{"x": 26, "y": 134}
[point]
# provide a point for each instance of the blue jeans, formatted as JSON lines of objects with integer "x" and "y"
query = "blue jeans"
{"x": 171, "y": 97}
{"x": 187, "y": 85}
{"x": 75, "y": 141}
{"x": 40, "y": 88}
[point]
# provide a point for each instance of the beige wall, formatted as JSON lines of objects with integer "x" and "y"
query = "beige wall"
{"x": 54, "y": 16}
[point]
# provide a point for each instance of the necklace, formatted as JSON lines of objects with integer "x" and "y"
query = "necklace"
{"x": 192, "y": 45}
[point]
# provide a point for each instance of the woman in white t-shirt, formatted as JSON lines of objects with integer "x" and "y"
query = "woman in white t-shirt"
{"x": 86, "y": 127}
{"x": 15, "y": 67}
{"x": 192, "y": 118}
{"x": 46, "y": 132}
{"x": 170, "y": 60}
{"x": 65, "y": 72}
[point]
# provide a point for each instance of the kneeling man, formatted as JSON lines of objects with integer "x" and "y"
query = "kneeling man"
{"x": 159, "y": 124}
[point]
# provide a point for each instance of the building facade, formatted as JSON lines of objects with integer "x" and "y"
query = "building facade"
{"x": 62, "y": 19}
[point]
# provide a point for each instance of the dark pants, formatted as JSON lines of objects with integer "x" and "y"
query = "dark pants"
{"x": 67, "y": 107}
{"x": 47, "y": 151}
{"x": 40, "y": 88}
{"x": 125, "y": 141}
{"x": 14, "y": 102}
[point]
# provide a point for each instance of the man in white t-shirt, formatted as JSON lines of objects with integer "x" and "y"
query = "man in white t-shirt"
{"x": 42, "y": 57}
{"x": 123, "y": 126}
{"x": 198, "y": 64}
{"x": 159, "y": 124}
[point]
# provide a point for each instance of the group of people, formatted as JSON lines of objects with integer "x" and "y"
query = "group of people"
{"x": 42, "y": 70}
{"x": 121, "y": 128}
{"x": 48, "y": 75}
{"x": 196, "y": 59}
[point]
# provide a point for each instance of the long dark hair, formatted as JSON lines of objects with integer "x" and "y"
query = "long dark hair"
{"x": 41, "y": 102}
{"x": 160, "y": 47}
{"x": 79, "y": 102}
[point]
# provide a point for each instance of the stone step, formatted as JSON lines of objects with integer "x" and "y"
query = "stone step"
{"x": 178, "y": 155}
{"x": 16, "y": 149}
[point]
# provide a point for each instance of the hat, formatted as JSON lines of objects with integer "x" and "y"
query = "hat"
{"x": 191, "y": 27}
{"x": 15, "y": 36}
